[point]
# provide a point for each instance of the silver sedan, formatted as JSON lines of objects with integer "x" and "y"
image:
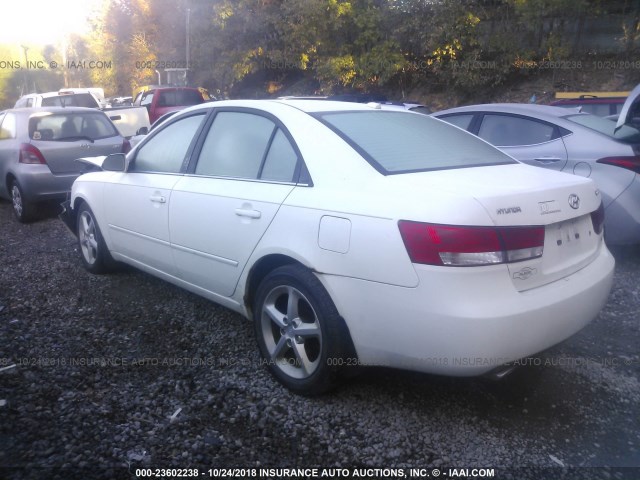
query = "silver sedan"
{"x": 38, "y": 148}
{"x": 568, "y": 141}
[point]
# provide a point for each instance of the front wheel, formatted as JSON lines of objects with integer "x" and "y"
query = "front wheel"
{"x": 298, "y": 329}
{"x": 94, "y": 253}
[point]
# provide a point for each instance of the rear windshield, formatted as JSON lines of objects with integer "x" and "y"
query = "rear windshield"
{"x": 71, "y": 100}
{"x": 71, "y": 126}
{"x": 179, "y": 98}
{"x": 401, "y": 142}
{"x": 626, "y": 133}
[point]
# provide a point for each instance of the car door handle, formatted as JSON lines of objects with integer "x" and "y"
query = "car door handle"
{"x": 245, "y": 212}
{"x": 158, "y": 199}
{"x": 547, "y": 160}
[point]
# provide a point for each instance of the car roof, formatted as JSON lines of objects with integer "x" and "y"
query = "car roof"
{"x": 308, "y": 106}
{"x": 539, "y": 111}
{"x": 32, "y": 110}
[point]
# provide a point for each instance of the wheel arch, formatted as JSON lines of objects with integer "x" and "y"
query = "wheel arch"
{"x": 267, "y": 264}
{"x": 259, "y": 271}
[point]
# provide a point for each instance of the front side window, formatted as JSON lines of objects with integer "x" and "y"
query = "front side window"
{"x": 399, "y": 142}
{"x": 166, "y": 151}
{"x": 248, "y": 146}
{"x": 511, "y": 131}
{"x": 71, "y": 126}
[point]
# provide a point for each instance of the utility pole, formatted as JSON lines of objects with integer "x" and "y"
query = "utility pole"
{"x": 188, "y": 27}
{"x": 26, "y": 72}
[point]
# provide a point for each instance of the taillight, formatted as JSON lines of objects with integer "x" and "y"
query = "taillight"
{"x": 463, "y": 246}
{"x": 597, "y": 219}
{"x": 126, "y": 146}
{"x": 630, "y": 163}
{"x": 30, "y": 154}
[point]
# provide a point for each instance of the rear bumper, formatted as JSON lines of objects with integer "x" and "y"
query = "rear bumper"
{"x": 39, "y": 184}
{"x": 466, "y": 322}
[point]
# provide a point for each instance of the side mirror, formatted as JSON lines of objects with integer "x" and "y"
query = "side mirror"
{"x": 142, "y": 131}
{"x": 114, "y": 162}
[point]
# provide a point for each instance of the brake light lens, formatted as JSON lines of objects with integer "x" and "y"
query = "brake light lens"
{"x": 31, "y": 155}
{"x": 469, "y": 246}
{"x": 126, "y": 146}
{"x": 630, "y": 163}
{"x": 597, "y": 219}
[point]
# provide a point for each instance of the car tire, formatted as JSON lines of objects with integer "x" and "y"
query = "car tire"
{"x": 299, "y": 331}
{"x": 93, "y": 249}
{"x": 22, "y": 209}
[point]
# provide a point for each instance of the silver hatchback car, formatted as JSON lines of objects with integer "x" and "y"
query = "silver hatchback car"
{"x": 568, "y": 141}
{"x": 38, "y": 148}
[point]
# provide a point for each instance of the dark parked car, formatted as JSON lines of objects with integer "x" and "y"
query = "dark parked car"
{"x": 38, "y": 148}
{"x": 160, "y": 100}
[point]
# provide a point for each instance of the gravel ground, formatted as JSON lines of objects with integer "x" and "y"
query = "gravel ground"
{"x": 119, "y": 372}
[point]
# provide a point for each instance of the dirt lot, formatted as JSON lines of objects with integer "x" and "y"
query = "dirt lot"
{"x": 120, "y": 372}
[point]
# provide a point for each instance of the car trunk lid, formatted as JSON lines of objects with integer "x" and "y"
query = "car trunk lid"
{"x": 520, "y": 196}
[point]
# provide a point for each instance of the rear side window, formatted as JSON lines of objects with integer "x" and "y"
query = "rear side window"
{"x": 511, "y": 131}
{"x": 166, "y": 151}
{"x": 179, "y": 98}
{"x": 399, "y": 142}
{"x": 280, "y": 163}
{"x": 245, "y": 145}
{"x": 71, "y": 126}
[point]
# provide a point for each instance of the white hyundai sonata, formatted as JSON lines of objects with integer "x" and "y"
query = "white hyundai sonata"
{"x": 352, "y": 235}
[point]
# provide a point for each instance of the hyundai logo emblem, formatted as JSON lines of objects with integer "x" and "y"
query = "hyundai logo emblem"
{"x": 574, "y": 201}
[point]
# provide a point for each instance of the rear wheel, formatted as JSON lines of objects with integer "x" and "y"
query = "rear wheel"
{"x": 94, "y": 253}
{"x": 22, "y": 209}
{"x": 298, "y": 330}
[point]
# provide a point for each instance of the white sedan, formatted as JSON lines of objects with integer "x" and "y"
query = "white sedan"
{"x": 352, "y": 235}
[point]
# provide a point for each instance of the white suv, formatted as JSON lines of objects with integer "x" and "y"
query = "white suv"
{"x": 68, "y": 97}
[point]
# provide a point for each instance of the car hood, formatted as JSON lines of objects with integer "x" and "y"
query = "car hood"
{"x": 91, "y": 164}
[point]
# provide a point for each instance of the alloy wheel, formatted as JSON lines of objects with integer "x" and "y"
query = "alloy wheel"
{"x": 87, "y": 237}
{"x": 16, "y": 198}
{"x": 291, "y": 332}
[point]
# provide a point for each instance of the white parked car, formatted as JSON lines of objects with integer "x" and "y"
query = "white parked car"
{"x": 352, "y": 235}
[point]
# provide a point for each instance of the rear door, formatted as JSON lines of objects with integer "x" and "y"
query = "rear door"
{"x": 64, "y": 136}
{"x": 526, "y": 139}
{"x": 246, "y": 167}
